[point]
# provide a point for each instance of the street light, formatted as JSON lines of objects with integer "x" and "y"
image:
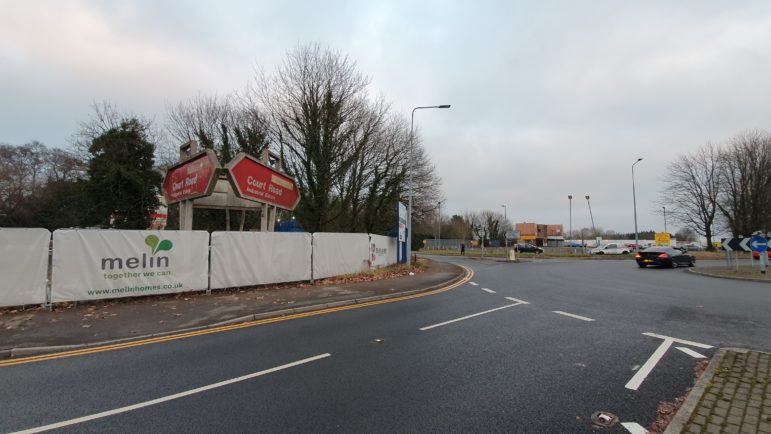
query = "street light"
{"x": 439, "y": 220}
{"x": 412, "y": 186}
{"x": 505, "y": 237}
{"x": 665, "y": 218}
{"x": 570, "y": 205}
{"x": 634, "y": 202}
{"x": 592, "y": 217}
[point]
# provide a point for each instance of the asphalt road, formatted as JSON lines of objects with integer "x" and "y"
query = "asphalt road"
{"x": 466, "y": 360}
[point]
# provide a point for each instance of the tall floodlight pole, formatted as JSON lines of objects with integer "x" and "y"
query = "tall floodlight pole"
{"x": 592, "y": 217}
{"x": 634, "y": 203}
{"x": 505, "y": 220}
{"x": 665, "y": 218}
{"x": 412, "y": 166}
{"x": 570, "y": 206}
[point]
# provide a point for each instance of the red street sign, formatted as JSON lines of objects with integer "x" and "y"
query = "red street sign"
{"x": 191, "y": 178}
{"x": 253, "y": 180}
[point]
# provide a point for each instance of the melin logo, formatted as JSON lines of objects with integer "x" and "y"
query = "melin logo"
{"x": 156, "y": 245}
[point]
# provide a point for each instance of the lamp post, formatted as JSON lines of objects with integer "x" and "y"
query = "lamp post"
{"x": 570, "y": 206}
{"x": 592, "y": 217}
{"x": 634, "y": 203}
{"x": 665, "y": 218}
{"x": 505, "y": 238}
{"x": 412, "y": 186}
{"x": 439, "y": 220}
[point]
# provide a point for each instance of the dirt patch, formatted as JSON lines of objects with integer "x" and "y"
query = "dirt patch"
{"x": 667, "y": 409}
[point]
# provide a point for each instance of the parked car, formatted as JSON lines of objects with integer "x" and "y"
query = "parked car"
{"x": 664, "y": 257}
{"x": 527, "y": 248}
{"x": 572, "y": 244}
{"x": 610, "y": 249}
{"x": 756, "y": 255}
{"x": 693, "y": 247}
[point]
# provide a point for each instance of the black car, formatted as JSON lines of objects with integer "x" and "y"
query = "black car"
{"x": 527, "y": 248}
{"x": 664, "y": 257}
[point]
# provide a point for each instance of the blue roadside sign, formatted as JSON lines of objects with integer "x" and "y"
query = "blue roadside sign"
{"x": 759, "y": 243}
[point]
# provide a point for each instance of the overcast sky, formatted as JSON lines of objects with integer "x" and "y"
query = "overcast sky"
{"x": 548, "y": 98}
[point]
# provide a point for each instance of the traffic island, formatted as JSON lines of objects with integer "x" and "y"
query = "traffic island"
{"x": 744, "y": 272}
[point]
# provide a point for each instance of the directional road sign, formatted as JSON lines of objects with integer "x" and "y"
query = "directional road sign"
{"x": 256, "y": 181}
{"x": 194, "y": 177}
{"x": 745, "y": 244}
{"x": 758, "y": 243}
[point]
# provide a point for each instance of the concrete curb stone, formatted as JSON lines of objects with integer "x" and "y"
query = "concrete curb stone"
{"x": 33, "y": 351}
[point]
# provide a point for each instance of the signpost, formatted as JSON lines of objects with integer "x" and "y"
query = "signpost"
{"x": 254, "y": 180}
{"x": 189, "y": 179}
{"x": 758, "y": 243}
{"x": 401, "y": 249}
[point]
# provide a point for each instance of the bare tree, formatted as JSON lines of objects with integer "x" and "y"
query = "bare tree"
{"x": 745, "y": 173}
{"x": 223, "y": 124}
{"x": 692, "y": 189}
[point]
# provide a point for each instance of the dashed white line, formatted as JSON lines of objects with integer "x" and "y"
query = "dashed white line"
{"x": 474, "y": 283}
{"x": 488, "y": 290}
{"x": 517, "y": 300}
{"x": 468, "y": 316}
{"x": 634, "y": 428}
{"x": 582, "y": 318}
{"x": 692, "y": 353}
{"x": 170, "y": 397}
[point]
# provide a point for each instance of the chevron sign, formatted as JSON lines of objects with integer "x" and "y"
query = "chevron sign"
{"x": 737, "y": 244}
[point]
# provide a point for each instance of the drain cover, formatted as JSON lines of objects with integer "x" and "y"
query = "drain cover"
{"x": 604, "y": 419}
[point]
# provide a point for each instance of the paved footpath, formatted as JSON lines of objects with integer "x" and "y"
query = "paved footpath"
{"x": 733, "y": 396}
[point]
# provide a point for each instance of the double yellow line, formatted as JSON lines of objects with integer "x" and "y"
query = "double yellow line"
{"x": 185, "y": 335}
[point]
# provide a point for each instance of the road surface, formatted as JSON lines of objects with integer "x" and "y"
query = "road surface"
{"x": 530, "y": 347}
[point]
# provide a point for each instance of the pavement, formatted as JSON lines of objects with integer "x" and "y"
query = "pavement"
{"x": 69, "y": 326}
{"x": 733, "y": 396}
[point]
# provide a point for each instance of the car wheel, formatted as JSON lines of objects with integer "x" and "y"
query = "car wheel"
{"x": 600, "y": 253}
{"x": 674, "y": 264}
{"x": 625, "y": 252}
{"x": 691, "y": 263}
{"x": 642, "y": 265}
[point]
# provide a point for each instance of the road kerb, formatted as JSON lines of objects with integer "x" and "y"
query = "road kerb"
{"x": 20, "y": 352}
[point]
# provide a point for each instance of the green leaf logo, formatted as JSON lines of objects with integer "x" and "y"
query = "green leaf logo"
{"x": 156, "y": 245}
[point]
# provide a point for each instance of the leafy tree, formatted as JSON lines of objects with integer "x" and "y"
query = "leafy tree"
{"x": 122, "y": 185}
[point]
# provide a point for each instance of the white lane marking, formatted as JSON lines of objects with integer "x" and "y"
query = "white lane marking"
{"x": 679, "y": 341}
{"x": 170, "y": 397}
{"x": 474, "y": 283}
{"x": 582, "y": 318}
{"x": 634, "y": 428}
{"x": 488, "y": 290}
{"x": 692, "y": 353}
{"x": 640, "y": 376}
{"x": 517, "y": 300}
{"x": 468, "y": 316}
{"x": 648, "y": 366}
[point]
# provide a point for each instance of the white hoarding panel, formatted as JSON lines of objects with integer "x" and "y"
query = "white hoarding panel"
{"x": 382, "y": 251}
{"x": 23, "y": 266}
{"x": 337, "y": 254}
{"x": 259, "y": 258}
{"x": 95, "y": 264}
